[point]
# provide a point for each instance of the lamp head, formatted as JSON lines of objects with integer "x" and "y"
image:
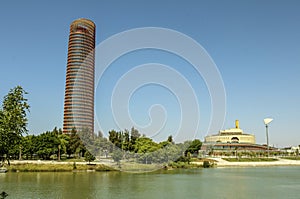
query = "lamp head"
{"x": 268, "y": 120}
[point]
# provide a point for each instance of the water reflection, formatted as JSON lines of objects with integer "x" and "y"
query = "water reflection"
{"x": 198, "y": 183}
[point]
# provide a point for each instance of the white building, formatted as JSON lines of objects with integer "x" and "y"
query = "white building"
{"x": 233, "y": 135}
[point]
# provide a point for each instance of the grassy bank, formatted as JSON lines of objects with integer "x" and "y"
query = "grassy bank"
{"x": 292, "y": 158}
{"x": 250, "y": 159}
{"x": 183, "y": 165}
{"x": 32, "y": 167}
{"x": 136, "y": 167}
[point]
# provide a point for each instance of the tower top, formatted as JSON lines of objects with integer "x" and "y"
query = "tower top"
{"x": 84, "y": 20}
{"x": 237, "y": 124}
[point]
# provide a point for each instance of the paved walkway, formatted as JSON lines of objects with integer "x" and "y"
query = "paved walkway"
{"x": 281, "y": 162}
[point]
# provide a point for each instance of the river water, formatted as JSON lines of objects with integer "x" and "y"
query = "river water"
{"x": 264, "y": 182}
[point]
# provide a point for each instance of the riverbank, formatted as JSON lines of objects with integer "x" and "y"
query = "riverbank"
{"x": 219, "y": 162}
{"x": 55, "y": 166}
{"x": 61, "y": 166}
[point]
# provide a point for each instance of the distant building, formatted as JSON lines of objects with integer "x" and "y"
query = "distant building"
{"x": 79, "y": 91}
{"x": 293, "y": 150}
{"x": 233, "y": 135}
{"x": 230, "y": 141}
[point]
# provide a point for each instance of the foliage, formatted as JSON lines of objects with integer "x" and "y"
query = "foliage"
{"x": 194, "y": 147}
{"x": 170, "y": 139}
{"x": 115, "y": 138}
{"x": 88, "y": 157}
{"x": 134, "y": 135}
{"x": 13, "y": 120}
{"x": 127, "y": 145}
{"x": 183, "y": 159}
{"x": 63, "y": 141}
{"x": 183, "y": 165}
{"x": 101, "y": 147}
{"x": 75, "y": 145}
{"x": 292, "y": 158}
{"x": 206, "y": 164}
{"x": 144, "y": 150}
{"x": 117, "y": 155}
{"x": 29, "y": 148}
{"x": 47, "y": 145}
{"x": 46, "y": 167}
{"x": 145, "y": 145}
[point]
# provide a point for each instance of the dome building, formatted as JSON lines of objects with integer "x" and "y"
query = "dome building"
{"x": 233, "y": 135}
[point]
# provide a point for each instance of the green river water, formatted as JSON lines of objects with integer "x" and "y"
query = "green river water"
{"x": 264, "y": 182}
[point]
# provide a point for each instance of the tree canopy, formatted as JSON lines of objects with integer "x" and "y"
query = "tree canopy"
{"x": 13, "y": 120}
{"x": 120, "y": 145}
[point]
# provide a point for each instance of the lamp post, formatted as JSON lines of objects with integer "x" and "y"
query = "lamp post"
{"x": 267, "y": 121}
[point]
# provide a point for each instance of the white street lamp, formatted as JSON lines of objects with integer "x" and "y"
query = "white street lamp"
{"x": 267, "y": 121}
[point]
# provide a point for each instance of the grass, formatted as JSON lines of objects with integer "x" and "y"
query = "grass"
{"x": 73, "y": 160}
{"x": 28, "y": 167}
{"x": 183, "y": 165}
{"x": 250, "y": 159}
{"x": 137, "y": 167}
{"x": 292, "y": 158}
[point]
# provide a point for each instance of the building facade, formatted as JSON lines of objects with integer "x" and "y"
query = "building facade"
{"x": 80, "y": 81}
{"x": 233, "y": 135}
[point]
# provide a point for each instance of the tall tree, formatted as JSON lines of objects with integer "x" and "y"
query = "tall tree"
{"x": 63, "y": 140}
{"x": 75, "y": 145}
{"x": 13, "y": 120}
{"x": 134, "y": 135}
{"x": 194, "y": 147}
{"x": 170, "y": 139}
{"x": 88, "y": 157}
{"x": 115, "y": 138}
{"x": 126, "y": 141}
{"x": 29, "y": 144}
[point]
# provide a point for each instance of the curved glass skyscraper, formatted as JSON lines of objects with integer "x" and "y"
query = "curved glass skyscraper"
{"x": 79, "y": 92}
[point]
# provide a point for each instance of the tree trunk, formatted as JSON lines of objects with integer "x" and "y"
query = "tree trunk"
{"x": 20, "y": 152}
{"x": 58, "y": 156}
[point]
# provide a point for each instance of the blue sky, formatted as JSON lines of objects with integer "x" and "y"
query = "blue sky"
{"x": 254, "y": 44}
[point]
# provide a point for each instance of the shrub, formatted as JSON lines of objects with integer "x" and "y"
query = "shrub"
{"x": 206, "y": 164}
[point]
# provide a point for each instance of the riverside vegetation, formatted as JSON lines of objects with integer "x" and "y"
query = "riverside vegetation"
{"x": 120, "y": 147}
{"x": 129, "y": 146}
{"x": 128, "y": 149}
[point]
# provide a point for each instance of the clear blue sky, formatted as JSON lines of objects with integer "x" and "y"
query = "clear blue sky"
{"x": 255, "y": 45}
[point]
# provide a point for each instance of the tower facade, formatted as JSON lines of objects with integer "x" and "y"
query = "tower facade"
{"x": 80, "y": 80}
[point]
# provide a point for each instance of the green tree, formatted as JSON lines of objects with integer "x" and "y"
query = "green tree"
{"x": 146, "y": 147}
{"x": 13, "y": 120}
{"x": 117, "y": 155}
{"x": 126, "y": 141}
{"x": 134, "y": 135}
{"x": 194, "y": 147}
{"x": 170, "y": 139}
{"x": 29, "y": 143}
{"x": 63, "y": 140}
{"x": 47, "y": 145}
{"x": 115, "y": 138}
{"x": 102, "y": 146}
{"x": 75, "y": 145}
{"x": 88, "y": 157}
